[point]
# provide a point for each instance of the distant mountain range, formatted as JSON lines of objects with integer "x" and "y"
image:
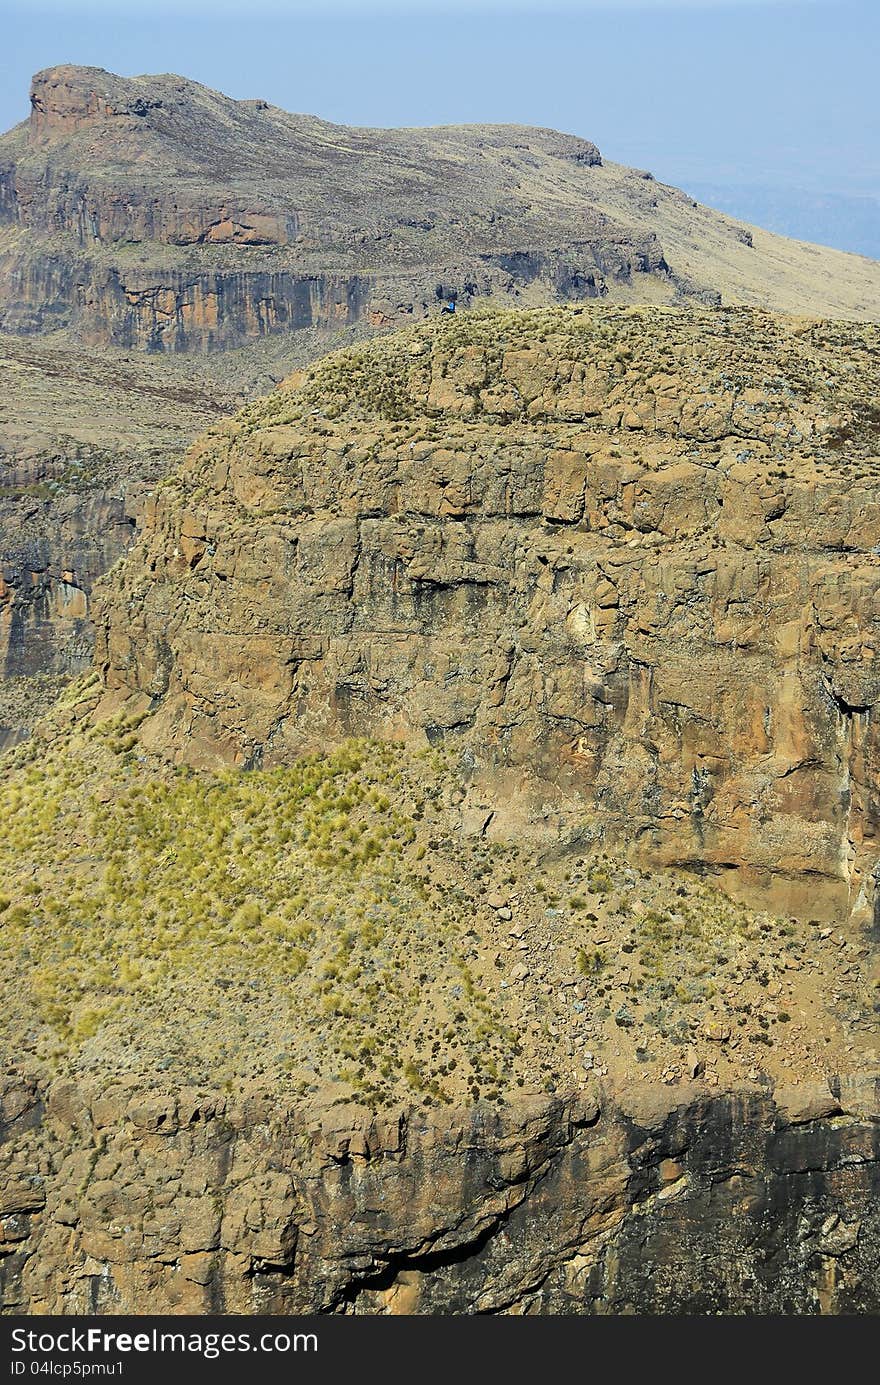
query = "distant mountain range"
{"x": 844, "y": 221}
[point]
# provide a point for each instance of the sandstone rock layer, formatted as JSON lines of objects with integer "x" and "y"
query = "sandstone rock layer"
{"x": 592, "y": 1202}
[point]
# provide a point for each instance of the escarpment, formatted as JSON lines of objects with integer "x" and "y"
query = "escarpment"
{"x": 293, "y": 1040}
{"x": 322, "y": 988}
{"x": 622, "y": 562}
{"x": 361, "y": 944}
{"x": 160, "y": 215}
{"x": 151, "y": 213}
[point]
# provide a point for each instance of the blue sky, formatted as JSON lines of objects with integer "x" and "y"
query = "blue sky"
{"x": 779, "y": 92}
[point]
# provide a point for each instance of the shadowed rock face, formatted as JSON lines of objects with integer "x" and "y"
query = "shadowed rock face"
{"x": 152, "y": 213}
{"x": 82, "y": 439}
{"x": 621, "y": 561}
{"x": 646, "y": 1201}
{"x": 178, "y": 310}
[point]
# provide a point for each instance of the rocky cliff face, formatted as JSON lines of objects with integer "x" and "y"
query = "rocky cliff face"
{"x": 81, "y": 443}
{"x": 52, "y": 551}
{"x": 256, "y": 222}
{"x": 594, "y": 1202}
{"x": 173, "y": 310}
{"x": 293, "y": 1040}
{"x": 152, "y": 213}
{"x": 375, "y": 1025}
{"x": 623, "y": 563}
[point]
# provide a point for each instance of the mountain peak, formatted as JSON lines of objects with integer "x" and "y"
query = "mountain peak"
{"x": 68, "y": 99}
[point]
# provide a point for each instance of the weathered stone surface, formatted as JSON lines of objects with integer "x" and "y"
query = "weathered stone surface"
{"x": 681, "y": 1202}
{"x": 259, "y": 222}
{"x": 806, "y": 1101}
{"x": 622, "y": 561}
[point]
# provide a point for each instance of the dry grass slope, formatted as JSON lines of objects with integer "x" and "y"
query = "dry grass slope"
{"x": 325, "y": 924}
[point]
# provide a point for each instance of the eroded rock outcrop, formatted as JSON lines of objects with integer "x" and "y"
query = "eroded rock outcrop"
{"x": 254, "y": 222}
{"x": 626, "y": 559}
{"x": 150, "y": 214}
{"x": 650, "y": 1200}
{"x": 619, "y": 567}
